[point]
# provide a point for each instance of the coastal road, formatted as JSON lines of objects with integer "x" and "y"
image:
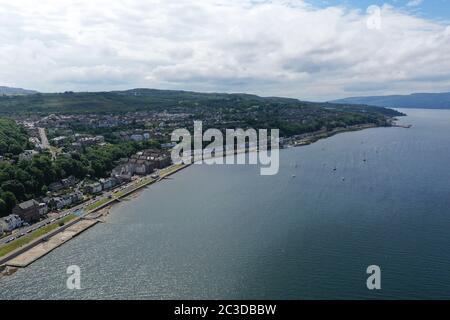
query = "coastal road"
{"x": 18, "y": 233}
{"x": 45, "y": 143}
{"x": 109, "y": 195}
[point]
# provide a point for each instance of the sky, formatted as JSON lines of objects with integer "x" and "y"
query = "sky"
{"x": 429, "y": 9}
{"x": 315, "y": 50}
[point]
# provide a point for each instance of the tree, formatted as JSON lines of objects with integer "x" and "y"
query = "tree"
{"x": 15, "y": 187}
{"x": 3, "y": 208}
{"x": 10, "y": 200}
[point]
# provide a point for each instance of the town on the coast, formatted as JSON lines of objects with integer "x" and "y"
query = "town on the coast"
{"x": 61, "y": 165}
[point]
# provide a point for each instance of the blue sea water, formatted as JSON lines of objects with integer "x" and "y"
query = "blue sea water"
{"x": 226, "y": 232}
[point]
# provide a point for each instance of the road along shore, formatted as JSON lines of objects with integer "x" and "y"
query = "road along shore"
{"x": 38, "y": 248}
{"x": 26, "y": 255}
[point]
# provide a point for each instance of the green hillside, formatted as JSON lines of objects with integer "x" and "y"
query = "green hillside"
{"x": 155, "y": 100}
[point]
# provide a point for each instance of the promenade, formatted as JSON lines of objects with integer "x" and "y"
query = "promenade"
{"x": 36, "y": 249}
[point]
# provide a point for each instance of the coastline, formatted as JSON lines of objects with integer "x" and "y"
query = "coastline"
{"x": 38, "y": 248}
{"x": 309, "y": 138}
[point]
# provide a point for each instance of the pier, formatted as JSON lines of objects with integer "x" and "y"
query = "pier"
{"x": 406, "y": 126}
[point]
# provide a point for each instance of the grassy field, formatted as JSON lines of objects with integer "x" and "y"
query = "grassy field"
{"x": 33, "y": 236}
{"x": 97, "y": 204}
{"x": 170, "y": 169}
{"x": 143, "y": 182}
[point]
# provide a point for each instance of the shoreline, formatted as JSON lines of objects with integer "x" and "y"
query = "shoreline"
{"x": 310, "y": 138}
{"x": 26, "y": 255}
{"x": 38, "y": 248}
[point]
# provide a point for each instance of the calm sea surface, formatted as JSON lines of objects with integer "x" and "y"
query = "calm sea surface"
{"x": 225, "y": 232}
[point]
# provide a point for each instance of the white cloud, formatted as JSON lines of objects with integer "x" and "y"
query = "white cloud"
{"x": 274, "y": 47}
{"x": 414, "y": 3}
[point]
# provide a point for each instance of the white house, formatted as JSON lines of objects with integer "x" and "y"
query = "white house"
{"x": 11, "y": 222}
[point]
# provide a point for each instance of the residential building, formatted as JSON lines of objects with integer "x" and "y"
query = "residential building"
{"x": 59, "y": 141}
{"x": 55, "y": 186}
{"x": 89, "y": 141}
{"x": 28, "y": 211}
{"x": 142, "y": 163}
{"x": 10, "y": 223}
{"x": 77, "y": 196}
{"x": 141, "y": 167}
{"x": 124, "y": 177}
{"x": 68, "y": 182}
{"x": 94, "y": 188}
{"x": 43, "y": 208}
{"x": 109, "y": 183}
{"x": 123, "y": 169}
{"x": 58, "y": 203}
{"x": 27, "y": 155}
{"x": 45, "y": 200}
{"x": 67, "y": 200}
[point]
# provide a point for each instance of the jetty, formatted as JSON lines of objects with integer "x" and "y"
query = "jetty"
{"x": 406, "y": 126}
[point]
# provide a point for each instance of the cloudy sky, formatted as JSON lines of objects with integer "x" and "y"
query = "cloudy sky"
{"x": 315, "y": 50}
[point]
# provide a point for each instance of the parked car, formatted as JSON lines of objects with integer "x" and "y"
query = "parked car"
{"x": 10, "y": 239}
